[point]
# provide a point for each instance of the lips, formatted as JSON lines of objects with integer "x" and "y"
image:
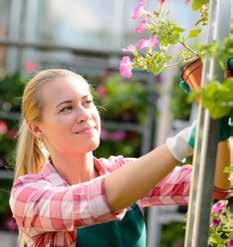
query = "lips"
{"x": 85, "y": 130}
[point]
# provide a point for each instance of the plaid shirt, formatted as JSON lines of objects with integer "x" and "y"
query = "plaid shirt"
{"x": 48, "y": 210}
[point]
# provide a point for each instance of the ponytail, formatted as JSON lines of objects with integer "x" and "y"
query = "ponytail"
{"x": 29, "y": 159}
{"x": 29, "y": 155}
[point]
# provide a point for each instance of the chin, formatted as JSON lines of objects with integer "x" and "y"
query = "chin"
{"x": 91, "y": 146}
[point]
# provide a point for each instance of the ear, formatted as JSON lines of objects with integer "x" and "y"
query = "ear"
{"x": 35, "y": 129}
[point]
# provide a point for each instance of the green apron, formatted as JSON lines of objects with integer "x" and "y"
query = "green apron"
{"x": 129, "y": 232}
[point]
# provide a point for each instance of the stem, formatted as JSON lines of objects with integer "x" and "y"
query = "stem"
{"x": 188, "y": 48}
{"x": 181, "y": 63}
{"x": 7, "y": 191}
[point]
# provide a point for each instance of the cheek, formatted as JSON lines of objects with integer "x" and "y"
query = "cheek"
{"x": 57, "y": 127}
{"x": 97, "y": 119}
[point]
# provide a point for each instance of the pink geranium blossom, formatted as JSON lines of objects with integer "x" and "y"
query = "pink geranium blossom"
{"x": 104, "y": 135}
{"x": 117, "y": 136}
{"x": 138, "y": 9}
{"x": 30, "y": 67}
{"x": 147, "y": 43}
{"x": 131, "y": 48}
{"x": 142, "y": 26}
{"x": 12, "y": 134}
{"x": 3, "y": 127}
{"x": 161, "y": 2}
{"x": 219, "y": 207}
{"x": 230, "y": 243}
{"x": 101, "y": 91}
{"x": 215, "y": 223}
{"x": 126, "y": 67}
{"x": 10, "y": 224}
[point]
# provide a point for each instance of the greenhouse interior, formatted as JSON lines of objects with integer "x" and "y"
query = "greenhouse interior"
{"x": 153, "y": 107}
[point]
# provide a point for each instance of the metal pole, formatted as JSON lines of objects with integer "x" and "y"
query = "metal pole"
{"x": 14, "y": 33}
{"x": 205, "y": 151}
{"x": 31, "y": 11}
{"x": 162, "y": 131}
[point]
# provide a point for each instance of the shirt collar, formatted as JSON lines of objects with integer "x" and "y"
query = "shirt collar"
{"x": 50, "y": 173}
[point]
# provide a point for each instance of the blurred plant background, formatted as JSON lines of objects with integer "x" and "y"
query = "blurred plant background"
{"x": 87, "y": 38}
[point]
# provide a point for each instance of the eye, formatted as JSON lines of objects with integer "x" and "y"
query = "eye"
{"x": 89, "y": 101}
{"x": 67, "y": 108}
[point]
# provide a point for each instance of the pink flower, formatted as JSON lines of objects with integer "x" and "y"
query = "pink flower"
{"x": 10, "y": 224}
{"x": 126, "y": 67}
{"x": 142, "y": 26}
{"x": 101, "y": 91}
{"x": 118, "y": 136}
{"x": 218, "y": 207}
{"x": 30, "y": 67}
{"x": 215, "y": 223}
{"x": 12, "y": 134}
{"x": 161, "y": 2}
{"x": 3, "y": 127}
{"x": 138, "y": 9}
{"x": 131, "y": 48}
{"x": 104, "y": 135}
{"x": 186, "y": 1}
{"x": 146, "y": 43}
{"x": 230, "y": 243}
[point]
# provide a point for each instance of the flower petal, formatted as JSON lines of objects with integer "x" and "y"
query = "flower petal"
{"x": 126, "y": 67}
{"x": 138, "y": 9}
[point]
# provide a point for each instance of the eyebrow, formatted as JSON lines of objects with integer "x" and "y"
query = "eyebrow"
{"x": 70, "y": 101}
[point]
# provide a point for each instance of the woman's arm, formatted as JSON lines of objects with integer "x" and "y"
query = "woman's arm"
{"x": 223, "y": 159}
{"x": 133, "y": 181}
{"x": 167, "y": 189}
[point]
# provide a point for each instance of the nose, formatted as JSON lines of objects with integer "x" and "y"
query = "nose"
{"x": 83, "y": 114}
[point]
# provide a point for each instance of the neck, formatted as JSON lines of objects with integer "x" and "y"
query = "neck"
{"x": 75, "y": 169}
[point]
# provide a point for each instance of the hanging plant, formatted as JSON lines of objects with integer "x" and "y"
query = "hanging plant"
{"x": 151, "y": 54}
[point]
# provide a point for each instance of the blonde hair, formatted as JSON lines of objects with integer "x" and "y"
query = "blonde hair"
{"x": 30, "y": 156}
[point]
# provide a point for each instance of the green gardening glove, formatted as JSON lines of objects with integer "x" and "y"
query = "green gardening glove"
{"x": 185, "y": 87}
{"x": 226, "y": 128}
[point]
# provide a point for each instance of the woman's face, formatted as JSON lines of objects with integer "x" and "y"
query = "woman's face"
{"x": 70, "y": 121}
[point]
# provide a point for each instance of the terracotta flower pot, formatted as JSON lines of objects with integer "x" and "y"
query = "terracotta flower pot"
{"x": 191, "y": 74}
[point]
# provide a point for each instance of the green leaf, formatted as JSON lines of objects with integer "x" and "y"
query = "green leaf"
{"x": 194, "y": 33}
{"x": 216, "y": 97}
{"x": 197, "y": 4}
{"x": 185, "y": 55}
{"x": 228, "y": 169}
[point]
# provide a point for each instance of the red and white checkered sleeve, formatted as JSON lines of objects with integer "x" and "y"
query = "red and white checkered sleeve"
{"x": 37, "y": 204}
{"x": 174, "y": 189}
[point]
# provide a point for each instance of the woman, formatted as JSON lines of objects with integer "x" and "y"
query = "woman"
{"x": 60, "y": 187}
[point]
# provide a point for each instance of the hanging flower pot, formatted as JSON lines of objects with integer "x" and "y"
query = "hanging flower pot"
{"x": 191, "y": 74}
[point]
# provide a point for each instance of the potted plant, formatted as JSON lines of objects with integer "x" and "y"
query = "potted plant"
{"x": 151, "y": 54}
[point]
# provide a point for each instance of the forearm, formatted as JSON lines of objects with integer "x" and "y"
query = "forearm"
{"x": 223, "y": 159}
{"x": 131, "y": 182}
